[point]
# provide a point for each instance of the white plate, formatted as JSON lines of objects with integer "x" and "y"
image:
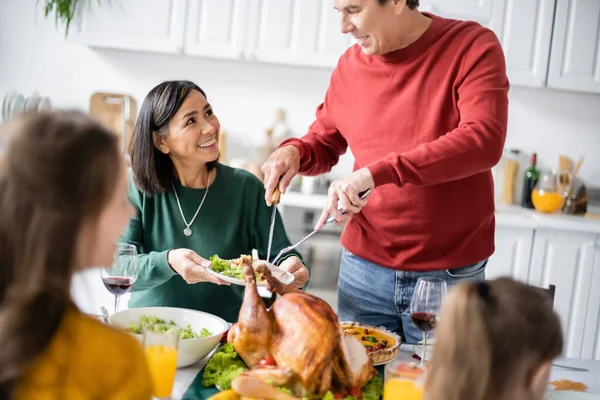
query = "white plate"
{"x": 282, "y": 275}
{"x": 567, "y": 395}
{"x": 418, "y": 348}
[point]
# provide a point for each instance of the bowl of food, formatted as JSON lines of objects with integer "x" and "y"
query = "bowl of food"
{"x": 200, "y": 332}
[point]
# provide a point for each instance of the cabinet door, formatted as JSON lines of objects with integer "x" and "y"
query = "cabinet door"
{"x": 524, "y": 27}
{"x": 525, "y": 34}
{"x": 512, "y": 254}
{"x": 299, "y": 32}
{"x": 215, "y": 28}
{"x": 487, "y": 12}
{"x": 591, "y": 336}
{"x": 566, "y": 260}
{"x": 146, "y": 25}
{"x": 575, "y": 56}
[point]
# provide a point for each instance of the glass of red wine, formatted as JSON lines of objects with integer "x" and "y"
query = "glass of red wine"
{"x": 122, "y": 274}
{"x": 426, "y": 305}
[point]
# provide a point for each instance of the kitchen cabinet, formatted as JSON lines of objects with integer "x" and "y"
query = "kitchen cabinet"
{"x": 146, "y": 25}
{"x": 215, "y": 28}
{"x": 575, "y": 57}
{"x": 524, "y": 28}
{"x": 299, "y": 32}
{"x": 486, "y": 12}
{"x": 525, "y": 33}
{"x": 547, "y": 43}
{"x": 566, "y": 260}
{"x": 591, "y": 336}
{"x": 512, "y": 254}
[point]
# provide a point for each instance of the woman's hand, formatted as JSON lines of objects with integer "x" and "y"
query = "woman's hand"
{"x": 295, "y": 267}
{"x": 192, "y": 267}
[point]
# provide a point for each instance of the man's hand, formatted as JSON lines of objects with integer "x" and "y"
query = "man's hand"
{"x": 294, "y": 266}
{"x": 280, "y": 168}
{"x": 346, "y": 192}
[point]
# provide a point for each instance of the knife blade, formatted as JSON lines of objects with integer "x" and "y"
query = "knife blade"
{"x": 274, "y": 201}
{"x": 329, "y": 220}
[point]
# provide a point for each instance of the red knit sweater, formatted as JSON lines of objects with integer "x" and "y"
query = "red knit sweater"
{"x": 429, "y": 121}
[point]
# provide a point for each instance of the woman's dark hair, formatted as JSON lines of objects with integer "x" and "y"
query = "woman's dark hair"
{"x": 58, "y": 172}
{"x": 412, "y": 4}
{"x": 152, "y": 169}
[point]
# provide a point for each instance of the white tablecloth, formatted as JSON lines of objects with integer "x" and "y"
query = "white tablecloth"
{"x": 185, "y": 376}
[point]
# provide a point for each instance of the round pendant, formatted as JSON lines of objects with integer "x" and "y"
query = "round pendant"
{"x": 187, "y": 232}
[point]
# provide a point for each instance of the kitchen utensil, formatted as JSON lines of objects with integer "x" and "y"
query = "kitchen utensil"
{"x": 104, "y": 312}
{"x": 274, "y": 201}
{"x": 510, "y": 175}
{"x": 570, "y": 368}
{"x": 577, "y": 166}
{"x": 117, "y": 112}
{"x": 577, "y": 199}
{"x": 330, "y": 219}
{"x": 255, "y": 388}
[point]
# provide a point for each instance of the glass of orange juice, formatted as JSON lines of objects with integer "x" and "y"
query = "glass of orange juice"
{"x": 403, "y": 381}
{"x": 161, "y": 342}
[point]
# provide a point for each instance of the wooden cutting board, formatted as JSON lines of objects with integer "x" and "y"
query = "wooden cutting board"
{"x": 117, "y": 112}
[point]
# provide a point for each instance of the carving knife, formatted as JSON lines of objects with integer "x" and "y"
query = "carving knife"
{"x": 329, "y": 220}
{"x": 274, "y": 200}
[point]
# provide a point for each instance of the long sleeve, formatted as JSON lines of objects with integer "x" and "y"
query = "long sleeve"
{"x": 476, "y": 144}
{"x": 154, "y": 268}
{"x": 321, "y": 148}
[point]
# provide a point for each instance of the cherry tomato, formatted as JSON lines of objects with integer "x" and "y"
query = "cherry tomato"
{"x": 338, "y": 395}
{"x": 354, "y": 391}
{"x": 268, "y": 361}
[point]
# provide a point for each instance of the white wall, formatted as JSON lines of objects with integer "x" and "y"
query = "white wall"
{"x": 34, "y": 56}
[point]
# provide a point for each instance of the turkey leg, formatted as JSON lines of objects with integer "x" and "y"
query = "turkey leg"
{"x": 251, "y": 335}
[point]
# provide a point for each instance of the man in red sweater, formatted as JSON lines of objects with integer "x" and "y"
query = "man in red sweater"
{"x": 422, "y": 103}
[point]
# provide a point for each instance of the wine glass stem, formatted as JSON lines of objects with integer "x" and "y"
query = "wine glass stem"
{"x": 424, "y": 349}
{"x": 116, "y": 302}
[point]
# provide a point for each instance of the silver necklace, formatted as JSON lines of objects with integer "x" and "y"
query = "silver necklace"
{"x": 187, "y": 231}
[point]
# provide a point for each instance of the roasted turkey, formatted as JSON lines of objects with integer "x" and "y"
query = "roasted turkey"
{"x": 301, "y": 334}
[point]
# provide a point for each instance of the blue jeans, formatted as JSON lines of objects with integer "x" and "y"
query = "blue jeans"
{"x": 374, "y": 295}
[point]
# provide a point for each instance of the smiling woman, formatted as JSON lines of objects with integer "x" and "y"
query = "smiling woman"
{"x": 190, "y": 207}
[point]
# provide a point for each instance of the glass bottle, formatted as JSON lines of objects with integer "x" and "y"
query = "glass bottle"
{"x": 532, "y": 176}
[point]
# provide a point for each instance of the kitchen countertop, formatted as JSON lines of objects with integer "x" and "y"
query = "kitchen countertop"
{"x": 509, "y": 216}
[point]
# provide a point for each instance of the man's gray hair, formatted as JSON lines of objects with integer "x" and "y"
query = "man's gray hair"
{"x": 412, "y": 4}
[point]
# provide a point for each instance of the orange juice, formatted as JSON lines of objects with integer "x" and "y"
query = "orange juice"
{"x": 401, "y": 389}
{"x": 547, "y": 202}
{"x": 162, "y": 363}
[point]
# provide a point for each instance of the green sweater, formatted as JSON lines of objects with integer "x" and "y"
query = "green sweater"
{"x": 233, "y": 220}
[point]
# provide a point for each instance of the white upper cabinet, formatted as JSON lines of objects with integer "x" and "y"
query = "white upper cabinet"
{"x": 215, "y": 28}
{"x": 147, "y": 25}
{"x": 299, "y": 32}
{"x": 524, "y": 28}
{"x": 547, "y": 43}
{"x": 575, "y": 57}
{"x": 526, "y": 34}
{"x": 482, "y": 11}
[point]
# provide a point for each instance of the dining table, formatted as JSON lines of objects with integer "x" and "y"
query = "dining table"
{"x": 187, "y": 387}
